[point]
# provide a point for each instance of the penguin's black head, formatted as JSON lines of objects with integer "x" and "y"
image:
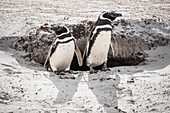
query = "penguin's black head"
{"x": 111, "y": 15}
{"x": 59, "y": 29}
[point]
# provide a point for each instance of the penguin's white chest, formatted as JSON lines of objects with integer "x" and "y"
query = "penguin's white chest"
{"x": 61, "y": 59}
{"x": 100, "y": 48}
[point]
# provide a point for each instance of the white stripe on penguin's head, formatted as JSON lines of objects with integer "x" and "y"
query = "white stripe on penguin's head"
{"x": 68, "y": 31}
{"x": 103, "y": 18}
{"x": 60, "y": 30}
{"x": 109, "y": 15}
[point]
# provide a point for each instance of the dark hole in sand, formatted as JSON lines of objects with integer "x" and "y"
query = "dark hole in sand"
{"x": 131, "y": 42}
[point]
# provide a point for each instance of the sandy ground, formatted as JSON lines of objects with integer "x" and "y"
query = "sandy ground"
{"x": 19, "y": 16}
{"x": 26, "y": 87}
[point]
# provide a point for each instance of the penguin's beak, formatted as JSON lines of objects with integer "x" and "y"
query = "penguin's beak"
{"x": 116, "y": 14}
{"x": 56, "y": 28}
{"x": 53, "y": 28}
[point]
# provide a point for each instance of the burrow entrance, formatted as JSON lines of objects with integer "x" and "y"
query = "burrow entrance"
{"x": 133, "y": 38}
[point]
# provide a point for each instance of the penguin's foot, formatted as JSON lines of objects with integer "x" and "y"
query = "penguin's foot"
{"x": 104, "y": 68}
{"x": 59, "y": 73}
{"x": 92, "y": 70}
{"x": 71, "y": 72}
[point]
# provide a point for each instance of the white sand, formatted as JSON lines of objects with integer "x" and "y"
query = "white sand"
{"x": 19, "y": 16}
{"x": 27, "y": 87}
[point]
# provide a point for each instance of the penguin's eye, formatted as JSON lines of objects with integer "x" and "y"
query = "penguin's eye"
{"x": 59, "y": 27}
{"x": 109, "y": 13}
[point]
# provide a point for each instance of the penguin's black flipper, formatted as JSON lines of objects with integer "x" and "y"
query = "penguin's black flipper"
{"x": 114, "y": 47}
{"x": 87, "y": 46}
{"x": 48, "y": 67}
{"x": 50, "y": 51}
{"x": 79, "y": 56}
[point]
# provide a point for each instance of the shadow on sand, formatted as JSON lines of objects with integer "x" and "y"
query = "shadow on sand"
{"x": 101, "y": 84}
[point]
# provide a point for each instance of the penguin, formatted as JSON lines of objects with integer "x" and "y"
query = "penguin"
{"x": 62, "y": 50}
{"x": 100, "y": 40}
